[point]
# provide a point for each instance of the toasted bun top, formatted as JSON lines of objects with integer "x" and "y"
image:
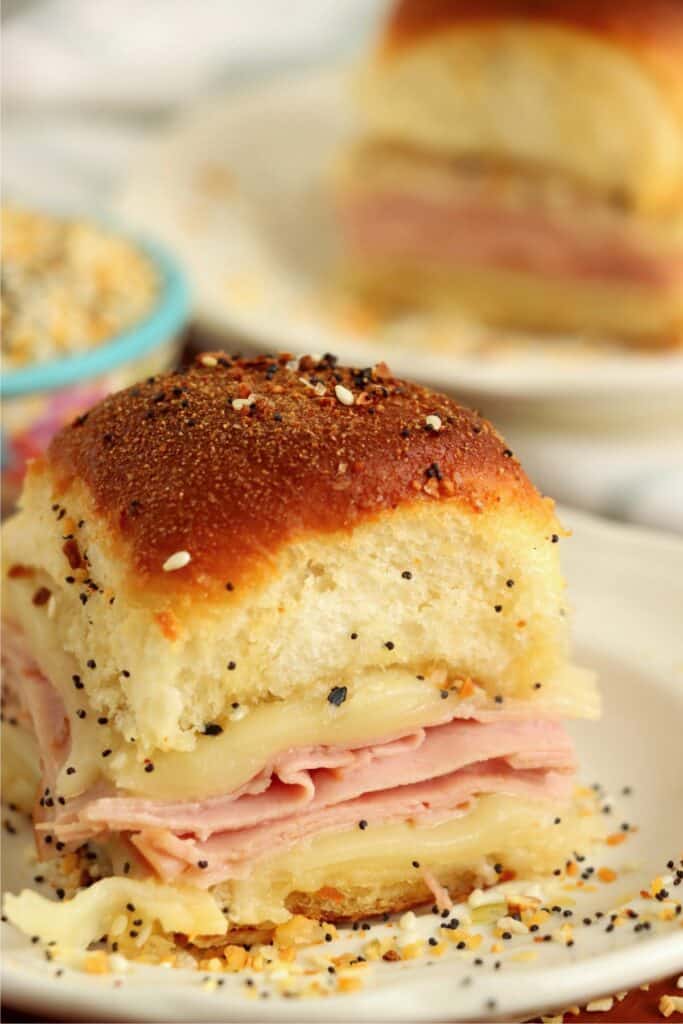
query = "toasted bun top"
{"x": 232, "y": 458}
{"x": 657, "y": 23}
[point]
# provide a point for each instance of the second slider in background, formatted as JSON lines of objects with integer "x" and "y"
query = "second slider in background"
{"x": 523, "y": 163}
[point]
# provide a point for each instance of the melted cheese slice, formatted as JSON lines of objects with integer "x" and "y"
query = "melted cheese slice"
{"x": 79, "y": 921}
{"x": 517, "y": 832}
{"x": 377, "y": 707}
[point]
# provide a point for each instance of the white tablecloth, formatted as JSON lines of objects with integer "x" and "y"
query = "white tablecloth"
{"x": 632, "y": 475}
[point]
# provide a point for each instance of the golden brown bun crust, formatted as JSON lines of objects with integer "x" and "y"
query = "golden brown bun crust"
{"x": 171, "y": 464}
{"x": 658, "y": 23}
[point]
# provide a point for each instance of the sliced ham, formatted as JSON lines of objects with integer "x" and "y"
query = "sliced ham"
{"x": 41, "y": 706}
{"x": 452, "y": 233}
{"x": 233, "y": 854}
{"x": 319, "y": 777}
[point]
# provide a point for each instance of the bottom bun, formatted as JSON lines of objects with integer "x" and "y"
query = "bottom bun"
{"x": 642, "y": 316}
{"x": 345, "y": 876}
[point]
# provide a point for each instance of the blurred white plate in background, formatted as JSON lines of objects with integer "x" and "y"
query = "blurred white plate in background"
{"x": 627, "y": 587}
{"x": 239, "y": 187}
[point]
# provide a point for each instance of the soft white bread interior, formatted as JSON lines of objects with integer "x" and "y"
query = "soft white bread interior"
{"x": 485, "y": 601}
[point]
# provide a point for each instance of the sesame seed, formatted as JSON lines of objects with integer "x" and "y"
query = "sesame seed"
{"x": 600, "y": 1005}
{"x": 433, "y": 423}
{"x": 343, "y": 395}
{"x": 208, "y": 361}
{"x": 362, "y": 824}
{"x": 354, "y": 636}
{"x": 406, "y": 574}
{"x": 106, "y": 753}
{"x": 202, "y": 864}
{"x": 178, "y": 560}
{"x": 232, "y": 665}
{"x": 390, "y": 645}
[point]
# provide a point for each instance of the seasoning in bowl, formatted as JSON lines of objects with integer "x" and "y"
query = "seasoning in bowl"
{"x": 85, "y": 311}
{"x": 67, "y": 286}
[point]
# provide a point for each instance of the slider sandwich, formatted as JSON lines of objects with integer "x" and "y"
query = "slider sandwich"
{"x": 522, "y": 162}
{"x": 291, "y": 640}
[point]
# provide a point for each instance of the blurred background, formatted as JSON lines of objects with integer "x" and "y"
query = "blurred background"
{"x": 210, "y": 128}
{"x": 86, "y": 83}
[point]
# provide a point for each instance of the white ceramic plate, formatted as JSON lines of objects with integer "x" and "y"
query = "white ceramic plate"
{"x": 627, "y": 587}
{"x": 239, "y": 188}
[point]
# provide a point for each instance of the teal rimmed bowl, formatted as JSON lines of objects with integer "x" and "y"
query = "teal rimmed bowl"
{"x": 37, "y": 400}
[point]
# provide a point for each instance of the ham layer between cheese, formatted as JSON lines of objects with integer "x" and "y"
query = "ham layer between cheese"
{"x": 429, "y": 774}
{"x": 451, "y": 233}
